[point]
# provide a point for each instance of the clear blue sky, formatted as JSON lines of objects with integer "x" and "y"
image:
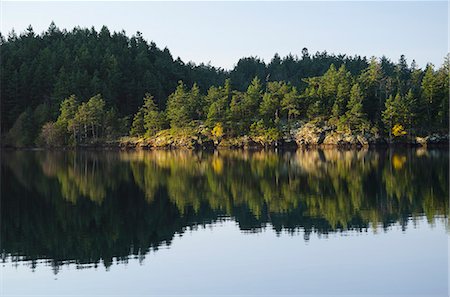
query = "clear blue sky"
{"x": 221, "y": 33}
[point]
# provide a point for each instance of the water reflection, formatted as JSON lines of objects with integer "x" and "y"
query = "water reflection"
{"x": 93, "y": 207}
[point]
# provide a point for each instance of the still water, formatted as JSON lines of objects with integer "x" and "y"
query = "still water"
{"x": 163, "y": 223}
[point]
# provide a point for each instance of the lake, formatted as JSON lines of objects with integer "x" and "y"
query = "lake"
{"x": 170, "y": 223}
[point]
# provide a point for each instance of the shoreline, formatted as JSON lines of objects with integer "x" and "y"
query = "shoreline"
{"x": 120, "y": 146}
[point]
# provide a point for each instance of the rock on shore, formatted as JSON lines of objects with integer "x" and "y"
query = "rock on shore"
{"x": 319, "y": 134}
{"x": 307, "y": 135}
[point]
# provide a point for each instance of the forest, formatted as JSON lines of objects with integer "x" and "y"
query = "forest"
{"x": 84, "y": 86}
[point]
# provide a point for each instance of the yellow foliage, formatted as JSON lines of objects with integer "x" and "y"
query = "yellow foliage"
{"x": 217, "y": 131}
{"x": 217, "y": 165}
{"x": 398, "y": 162}
{"x": 398, "y": 130}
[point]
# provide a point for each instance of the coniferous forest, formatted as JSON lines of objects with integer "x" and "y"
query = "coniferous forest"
{"x": 85, "y": 86}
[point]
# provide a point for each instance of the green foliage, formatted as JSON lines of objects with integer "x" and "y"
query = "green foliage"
{"x": 39, "y": 71}
{"x": 355, "y": 118}
{"x": 178, "y": 107}
{"x": 268, "y": 135}
{"x": 88, "y": 119}
{"x": 137, "y": 127}
{"x": 52, "y": 134}
{"x": 291, "y": 105}
{"x": 79, "y": 123}
{"x": 270, "y": 108}
{"x": 443, "y": 93}
{"x": 244, "y": 107}
{"x": 219, "y": 110}
{"x": 68, "y": 109}
{"x": 253, "y": 96}
{"x": 429, "y": 92}
{"x": 48, "y": 67}
{"x": 392, "y": 115}
{"x": 22, "y": 132}
{"x": 114, "y": 126}
{"x": 153, "y": 120}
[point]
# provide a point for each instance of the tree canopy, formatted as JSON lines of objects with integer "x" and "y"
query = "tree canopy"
{"x": 95, "y": 84}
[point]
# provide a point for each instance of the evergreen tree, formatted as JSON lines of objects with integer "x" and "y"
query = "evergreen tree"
{"x": 39, "y": 70}
{"x": 355, "y": 117}
{"x": 219, "y": 110}
{"x": 178, "y": 109}
{"x": 428, "y": 95}
{"x": 442, "y": 92}
{"x": 153, "y": 119}
{"x": 409, "y": 111}
{"x": 240, "y": 122}
{"x": 371, "y": 82}
{"x": 252, "y": 98}
{"x": 340, "y": 103}
{"x": 270, "y": 107}
{"x": 402, "y": 76}
{"x": 395, "y": 114}
{"x": 137, "y": 127}
{"x": 290, "y": 104}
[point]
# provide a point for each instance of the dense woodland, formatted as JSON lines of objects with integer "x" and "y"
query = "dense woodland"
{"x": 82, "y": 86}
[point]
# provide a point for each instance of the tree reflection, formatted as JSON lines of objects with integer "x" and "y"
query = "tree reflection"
{"x": 92, "y": 207}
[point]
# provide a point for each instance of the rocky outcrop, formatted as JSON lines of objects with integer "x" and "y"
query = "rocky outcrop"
{"x": 168, "y": 140}
{"x": 316, "y": 134}
{"x": 319, "y": 134}
{"x": 310, "y": 135}
{"x": 434, "y": 139}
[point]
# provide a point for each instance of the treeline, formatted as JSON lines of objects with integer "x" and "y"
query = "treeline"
{"x": 40, "y": 72}
{"x": 48, "y": 67}
{"x": 411, "y": 101}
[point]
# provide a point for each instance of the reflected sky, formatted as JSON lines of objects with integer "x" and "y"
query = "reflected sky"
{"x": 223, "y": 261}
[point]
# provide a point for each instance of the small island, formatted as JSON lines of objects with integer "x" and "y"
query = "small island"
{"x": 84, "y": 88}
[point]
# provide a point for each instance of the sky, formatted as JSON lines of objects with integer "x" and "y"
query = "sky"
{"x": 223, "y": 32}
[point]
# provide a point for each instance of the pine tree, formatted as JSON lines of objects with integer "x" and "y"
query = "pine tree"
{"x": 428, "y": 95}
{"x": 271, "y": 102}
{"x": 153, "y": 120}
{"x": 291, "y": 105}
{"x": 196, "y": 103}
{"x": 178, "y": 109}
{"x": 355, "y": 117}
{"x": 371, "y": 81}
{"x": 137, "y": 127}
{"x": 409, "y": 110}
{"x": 252, "y": 98}
{"x": 340, "y": 103}
{"x": 396, "y": 114}
{"x": 219, "y": 110}
{"x": 442, "y": 85}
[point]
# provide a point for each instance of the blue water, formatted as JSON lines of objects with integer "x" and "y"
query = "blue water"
{"x": 111, "y": 238}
